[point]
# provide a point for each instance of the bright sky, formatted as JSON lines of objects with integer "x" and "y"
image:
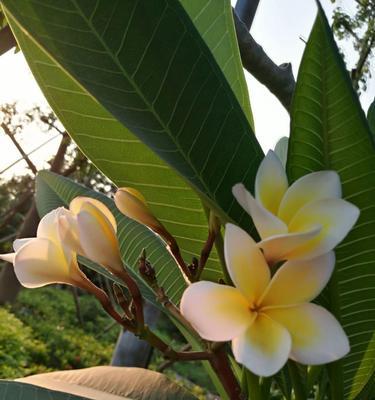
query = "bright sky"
{"x": 278, "y": 27}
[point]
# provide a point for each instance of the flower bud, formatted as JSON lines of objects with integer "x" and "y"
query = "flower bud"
{"x": 133, "y": 205}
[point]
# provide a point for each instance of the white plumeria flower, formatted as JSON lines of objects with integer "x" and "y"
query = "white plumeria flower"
{"x": 267, "y": 319}
{"x": 303, "y": 221}
{"x": 90, "y": 229}
{"x": 44, "y": 259}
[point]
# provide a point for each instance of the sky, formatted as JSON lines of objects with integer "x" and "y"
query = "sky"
{"x": 278, "y": 27}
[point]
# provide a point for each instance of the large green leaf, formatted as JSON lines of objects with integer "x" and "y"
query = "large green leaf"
{"x": 329, "y": 131}
{"x": 10, "y": 390}
{"x": 371, "y": 118}
{"x": 54, "y": 190}
{"x": 120, "y": 155}
{"x": 148, "y": 65}
{"x": 214, "y": 21}
{"x": 107, "y": 382}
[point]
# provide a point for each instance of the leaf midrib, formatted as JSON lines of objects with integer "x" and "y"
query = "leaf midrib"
{"x": 136, "y": 87}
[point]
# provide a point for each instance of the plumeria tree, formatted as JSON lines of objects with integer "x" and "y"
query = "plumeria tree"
{"x": 268, "y": 271}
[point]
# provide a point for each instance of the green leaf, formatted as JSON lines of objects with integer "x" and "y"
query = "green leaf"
{"x": 329, "y": 131}
{"x": 10, "y": 390}
{"x": 371, "y": 118}
{"x": 54, "y": 190}
{"x": 147, "y": 64}
{"x": 214, "y": 21}
{"x": 104, "y": 382}
{"x": 120, "y": 155}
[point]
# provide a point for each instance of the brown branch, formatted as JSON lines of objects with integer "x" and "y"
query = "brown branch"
{"x": 7, "y": 40}
{"x": 9, "y": 214}
{"x": 278, "y": 79}
{"x": 166, "y": 364}
{"x": 363, "y": 56}
{"x": 221, "y": 366}
{"x": 58, "y": 161}
{"x": 205, "y": 253}
{"x": 246, "y": 10}
{"x": 19, "y": 148}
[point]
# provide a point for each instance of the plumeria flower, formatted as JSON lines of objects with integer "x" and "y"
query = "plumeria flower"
{"x": 90, "y": 230}
{"x": 45, "y": 259}
{"x": 133, "y": 205}
{"x": 267, "y": 319}
{"x": 302, "y": 221}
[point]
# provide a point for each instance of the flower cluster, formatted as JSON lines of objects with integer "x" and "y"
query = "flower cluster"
{"x": 267, "y": 314}
{"x": 88, "y": 228}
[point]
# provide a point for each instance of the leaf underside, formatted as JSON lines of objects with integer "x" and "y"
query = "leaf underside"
{"x": 146, "y": 63}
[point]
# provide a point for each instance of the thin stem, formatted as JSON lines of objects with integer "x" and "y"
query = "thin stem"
{"x": 205, "y": 253}
{"x": 123, "y": 301}
{"x": 220, "y": 364}
{"x": 135, "y": 293}
{"x": 101, "y": 295}
{"x": 298, "y": 388}
{"x": 168, "y": 351}
{"x": 174, "y": 249}
{"x": 219, "y": 244}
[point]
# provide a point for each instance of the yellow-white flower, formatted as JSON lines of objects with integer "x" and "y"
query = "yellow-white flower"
{"x": 90, "y": 230}
{"x": 133, "y": 205}
{"x": 45, "y": 259}
{"x": 267, "y": 319}
{"x": 303, "y": 221}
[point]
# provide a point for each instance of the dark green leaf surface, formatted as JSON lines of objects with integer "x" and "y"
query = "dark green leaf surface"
{"x": 54, "y": 190}
{"x": 120, "y": 155}
{"x": 371, "y": 118}
{"x": 147, "y": 64}
{"x": 24, "y": 391}
{"x": 330, "y": 131}
{"x": 214, "y": 21}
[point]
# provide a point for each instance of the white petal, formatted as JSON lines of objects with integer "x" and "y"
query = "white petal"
{"x": 9, "y": 257}
{"x": 280, "y": 247}
{"x": 335, "y": 216}
{"x": 217, "y": 312}
{"x": 312, "y": 187}
{"x": 78, "y": 204}
{"x": 41, "y": 262}
{"x": 18, "y": 243}
{"x": 299, "y": 281}
{"x": 271, "y": 182}
{"x": 245, "y": 262}
{"x": 68, "y": 233}
{"x": 47, "y": 228}
{"x": 266, "y": 223}
{"x": 317, "y": 337}
{"x": 264, "y": 348}
{"x": 98, "y": 239}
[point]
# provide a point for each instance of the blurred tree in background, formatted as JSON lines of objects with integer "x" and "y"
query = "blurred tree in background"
{"x": 359, "y": 30}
